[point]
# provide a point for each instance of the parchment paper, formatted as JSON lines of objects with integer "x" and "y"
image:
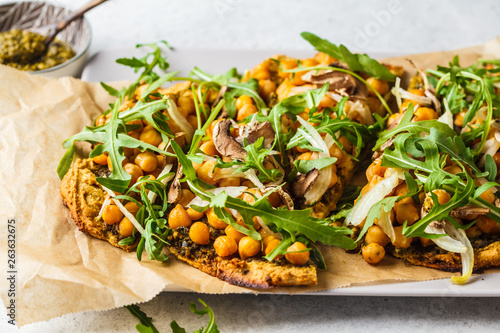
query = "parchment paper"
{"x": 60, "y": 269}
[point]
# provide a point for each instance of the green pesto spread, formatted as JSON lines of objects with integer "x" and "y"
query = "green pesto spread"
{"x": 25, "y": 50}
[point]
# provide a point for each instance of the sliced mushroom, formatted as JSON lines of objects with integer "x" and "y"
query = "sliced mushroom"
{"x": 304, "y": 182}
{"x": 175, "y": 191}
{"x": 284, "y": 196}
{"x": 340, "y": 82}
{"x": 262, "y": 130}
{"x": 469, "y": 210}
{"x": 225, "y": 143}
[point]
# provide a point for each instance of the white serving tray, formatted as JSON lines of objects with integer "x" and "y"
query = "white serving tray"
{"x": 102, "y": 67}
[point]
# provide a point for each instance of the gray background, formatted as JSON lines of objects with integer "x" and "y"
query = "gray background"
{"x": 376, "y": 26}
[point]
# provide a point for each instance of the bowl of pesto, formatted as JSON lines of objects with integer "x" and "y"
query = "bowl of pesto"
{"x": 23, "y": 27}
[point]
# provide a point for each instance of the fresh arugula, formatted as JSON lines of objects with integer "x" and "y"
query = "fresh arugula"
{"x": 356, "y": 62}
{"x": 146, "y": 325}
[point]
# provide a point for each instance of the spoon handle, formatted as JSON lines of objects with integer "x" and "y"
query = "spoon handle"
{"x": 73, "y": 16}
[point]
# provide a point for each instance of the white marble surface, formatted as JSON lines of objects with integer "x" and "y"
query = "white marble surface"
{"x": 378, "y": 26}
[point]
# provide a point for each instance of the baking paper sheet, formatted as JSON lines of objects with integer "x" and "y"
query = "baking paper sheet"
{"x": 60, "y": 270}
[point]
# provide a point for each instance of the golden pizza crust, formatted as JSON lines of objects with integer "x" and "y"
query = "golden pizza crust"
{"x": 84, "y": 197}
{"x": 485, "y": 256}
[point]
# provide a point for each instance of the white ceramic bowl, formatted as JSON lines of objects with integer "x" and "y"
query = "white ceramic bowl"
{"x": 36, "y": 16}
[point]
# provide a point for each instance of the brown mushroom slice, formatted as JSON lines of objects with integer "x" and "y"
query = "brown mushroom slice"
{"x": 304, "y": 182}
{"x": 175, "y": 191}
{"x": 338, "y": 81}
{"x": 225, "y": 143}
{"x": 284, "y": 196}
{"x": 468, "y": 211}
{"x": 264, "y": 130}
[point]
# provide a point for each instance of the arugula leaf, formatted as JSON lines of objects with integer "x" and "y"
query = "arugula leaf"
{"x": 256, "y": 153}
{"x": 211, "y": 326}
{"x": 146, "y": 325}
{"x": 304, "y": 166}
{"x": 356, "y": 62}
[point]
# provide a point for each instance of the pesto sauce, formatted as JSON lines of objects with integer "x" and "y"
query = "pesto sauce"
{"x": 20, "y": 49}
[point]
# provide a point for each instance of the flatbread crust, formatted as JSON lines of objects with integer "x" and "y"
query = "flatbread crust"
{"x": 486, "y": 255}
{"x": 84, "y": 197}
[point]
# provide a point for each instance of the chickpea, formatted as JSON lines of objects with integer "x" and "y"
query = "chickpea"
{"x": 273, "y": 243}
{"x": 206, "y": 172}
{"x": 425, "y": 241}
{"x": 210, "y": 130}
{"x": 242, "y": 101}
{"x": 186, "y": 197}
{"x": 193, "y": 121}
{"x": 381, "y": 86}
{"x": 266, "y": 88}
{"x": 327, "y": 102}
{"x": 193, "y": 214}
{"x": 246, "y": 111}
{"x": 101, "y": 159}
{"x": 394, "y": 117}
{"x": 151, "y": 137}
{"x": 231, "y": 181}
{"x": 487, "y": 225}
{"x": 375, "y": 170}
{"x": 208, "y": 148}
{"x": 132, "y": 208}
{"x": 346, "y": 144}
{"x": 407, "y": 212}
{"x": 442, "y": 196}
{"x": 248, "y": 247}
{"x": 178, "y": 217}
{"x": 199, "y": 233}
{"x": 401, "y": 241}
{"x": 214, "y": 221}
{"x": 335, "y": 151}
{"x": 473, "y": 231}
{"x": 334, "y": 178}
{"x": 373, "y": 253}
{"x": 489, "y": 196}
{"x": 233, "y": 233}
{"x": 305, "y": 156}
{"x": 110, "y": 165}
{"x": 185, "y": 104}
{"x": 126, "y": 228}
{"x": 247, "y": 183}
{"x": 423, "y": 113}
{"x": 375, "y": 234}
{"x": 225, "y": 246}
{"x": 274, "y": 199}
{"x": 134, "y": 171}
{"x": 111, "y": 214}
{"x": 324, "y": 58}
{"x": 453, "y": 169}
{"x": 297, "y": 258}
{"x": 266, "y": 240}
{"x": 147, "y": 161}
{"x": 261, "y": 72}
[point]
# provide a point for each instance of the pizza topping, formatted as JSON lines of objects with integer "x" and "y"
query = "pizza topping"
{"x": 225, "y": 143}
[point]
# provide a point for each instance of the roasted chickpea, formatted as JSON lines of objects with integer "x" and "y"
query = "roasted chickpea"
{"x": 401, "y": 241}
{"x": 442, "y": 196}
{"x": 178, "y": 217}
{"x": 305, "y": 156}
{"x": 111, "y": 214}
{"x": 126, "y": 228}
{"x": 199, "y": 233}
{"x": 186, "y": 197}
{"x": 335, "y": 151}
{"x": 489, "y": 196}
{"x": 132, "y": 207}
{"x": 271, "y": 245}
{"x": 266, "y": 240}
{"x": 373, "y": 253}
{"x": 473, "y": 231}
{"x": 147, "y": 161}
{"x": 208, "y": 148}
{"x": 225, "y": 246}
{"x": 326, "y": 102}
{"x": 261, "y": 72}
{"x": 487, "y": 225}
{"x": 407, "y": 212}
{"x": 193, "y": 214}
{"x": 214, "y": 221}
{"x": 185, "y": 104}
{"x": 496, "y": 158}
{"x": 334, "y": 178}
{"x": 375, "y": 170}
{"x": 381, "y": 86}
{"x": 207, "y": 173}
{"x": 231, "y": 181}
{"x": 297, "y": 258}
{"x": 246, "y": 111}
{"x": 242, "y": 101}
{"x": 423, "y": 113}
{"x": 101, "y": 159}
{"x": 248, "y": 247}
{"x": 134, "y": 171}
{"x": 375, "y": 234}
{"x": 266, "y": 88}
{"x": 151, "y": 137}
{"x": 233, "y": 233}
{"x": 425, "y": 241}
